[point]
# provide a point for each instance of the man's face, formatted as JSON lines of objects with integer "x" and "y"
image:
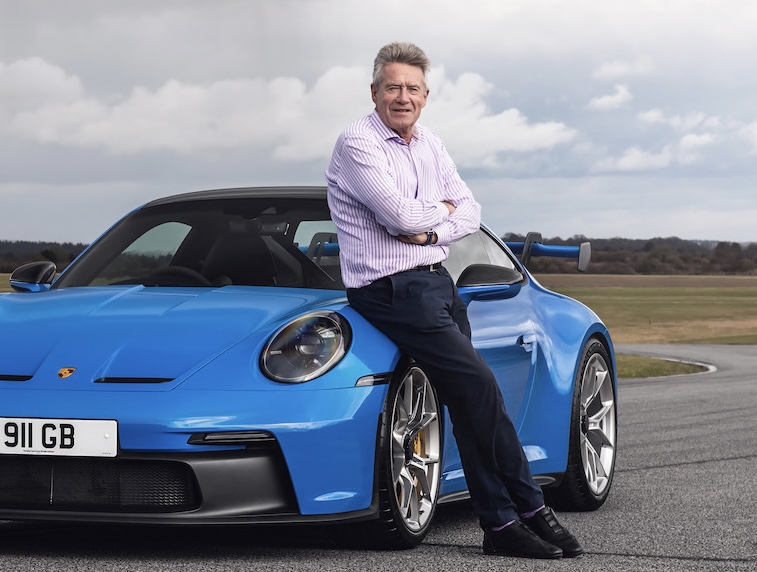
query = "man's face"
{"x": 400, "y": 97}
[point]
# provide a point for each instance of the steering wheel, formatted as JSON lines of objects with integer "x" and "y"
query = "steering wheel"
{"x": 177, "y": 276}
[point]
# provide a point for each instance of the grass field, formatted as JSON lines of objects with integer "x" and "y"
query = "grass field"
{"x": 668, "y": 309}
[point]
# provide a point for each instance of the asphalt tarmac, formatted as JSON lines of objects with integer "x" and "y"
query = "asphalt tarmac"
{"x": 683, "y": 499}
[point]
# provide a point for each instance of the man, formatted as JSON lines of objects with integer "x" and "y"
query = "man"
{"x": 398, "y": 202}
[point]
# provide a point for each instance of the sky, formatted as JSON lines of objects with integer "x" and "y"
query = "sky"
{"x": 593, "y": 118}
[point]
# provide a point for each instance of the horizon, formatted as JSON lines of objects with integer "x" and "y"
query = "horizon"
{"x": 713, "y": 242}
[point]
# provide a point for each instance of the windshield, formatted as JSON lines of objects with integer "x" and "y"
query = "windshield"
{"x": 211, "y": 243}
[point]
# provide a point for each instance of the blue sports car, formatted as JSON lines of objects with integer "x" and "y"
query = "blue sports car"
{"x": 199, "y": 363}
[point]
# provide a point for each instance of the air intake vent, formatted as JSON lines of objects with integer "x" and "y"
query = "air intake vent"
{"x": 108, "y": 485}
{"x": 134, "y": 380}
{"x": 5, "y": 377}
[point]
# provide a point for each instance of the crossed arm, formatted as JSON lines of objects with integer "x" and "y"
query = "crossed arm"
{"x": 364, "y": 174}
{"x": 422, "y": 237}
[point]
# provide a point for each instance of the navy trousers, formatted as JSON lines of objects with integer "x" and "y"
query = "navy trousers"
{"x": 420, "y": 311}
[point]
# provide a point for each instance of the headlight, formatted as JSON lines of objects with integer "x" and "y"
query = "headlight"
{"x": 306, "y": 347}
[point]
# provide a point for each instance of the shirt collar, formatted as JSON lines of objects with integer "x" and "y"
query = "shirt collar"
{"x": 387, "y": 133}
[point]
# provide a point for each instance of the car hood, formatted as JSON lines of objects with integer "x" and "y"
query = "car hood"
{"x": 144, "y": 336}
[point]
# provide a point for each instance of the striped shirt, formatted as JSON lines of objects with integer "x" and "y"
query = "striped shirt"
{"x": 380, "y": 187}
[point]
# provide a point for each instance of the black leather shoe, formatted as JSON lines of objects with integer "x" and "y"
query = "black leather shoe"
{"x": 518, "y": 540}
{"x": 545, "y": 524}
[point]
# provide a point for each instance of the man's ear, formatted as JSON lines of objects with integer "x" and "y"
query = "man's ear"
{"x": 374, "y": 93}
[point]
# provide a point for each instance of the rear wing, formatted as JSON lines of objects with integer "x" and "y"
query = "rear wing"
{"x": 532, "y": 246}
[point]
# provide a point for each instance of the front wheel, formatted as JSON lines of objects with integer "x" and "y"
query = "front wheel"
{"x": 593, "y": 435}
{"x": 409, "y": 464}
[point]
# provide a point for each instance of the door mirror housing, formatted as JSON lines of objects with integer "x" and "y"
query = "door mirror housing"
{"x": 489, "y": 282}
{"x": 33, "y": 277}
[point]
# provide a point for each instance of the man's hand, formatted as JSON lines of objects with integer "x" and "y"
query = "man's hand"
{"x": 416, "y": 238}
{"x": 423, "y": 237}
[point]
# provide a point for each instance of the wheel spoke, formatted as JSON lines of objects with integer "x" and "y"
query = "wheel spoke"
{"x": 593, "y": 382}
{"x": 417, "y": 398}
{"x": 406, "y": 486}
{"x": 421, "y": 494}
{"x": 420, "y": 476}
{"x": 417, "y": 426}
{"x": 592, "y": 464}
{"x": 600, "y": 423}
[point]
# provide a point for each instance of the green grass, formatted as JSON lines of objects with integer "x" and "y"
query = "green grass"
{"x": 638, "y": 366}
{"x": 675, "y": 315}
{"x": 668, "y": 314}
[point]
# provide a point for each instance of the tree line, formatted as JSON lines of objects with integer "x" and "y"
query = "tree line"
{"x": 670, "y": 255}
{"x": 15, "y": 253}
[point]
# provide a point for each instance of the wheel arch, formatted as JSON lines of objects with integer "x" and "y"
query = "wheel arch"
{"x": 390, "y": 527}
{"x": 592, "y": 437}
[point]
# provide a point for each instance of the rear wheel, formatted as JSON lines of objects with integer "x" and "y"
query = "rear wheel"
{"x": 593, "y": 435}
{"x": 409, "y": 464}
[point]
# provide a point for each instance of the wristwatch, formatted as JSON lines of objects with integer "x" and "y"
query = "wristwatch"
{"x": 429, "y": 237}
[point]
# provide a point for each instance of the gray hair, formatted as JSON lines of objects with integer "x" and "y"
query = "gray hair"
{"x": 401, "y": 53}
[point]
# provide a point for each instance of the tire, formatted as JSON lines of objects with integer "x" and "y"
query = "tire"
{"x": 409, "y": 464}
{"x": 593, "y": 435}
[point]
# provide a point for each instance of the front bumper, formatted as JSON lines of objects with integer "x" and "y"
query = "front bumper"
{"x": 250, "y": 486}
{"x": 319, "y": 466}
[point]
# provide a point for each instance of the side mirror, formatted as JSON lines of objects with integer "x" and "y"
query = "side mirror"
{"x": 33, "y": 277}
{"x": 488, "y": 282}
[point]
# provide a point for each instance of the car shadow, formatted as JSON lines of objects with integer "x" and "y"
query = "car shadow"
{"x": 62, "y": 539}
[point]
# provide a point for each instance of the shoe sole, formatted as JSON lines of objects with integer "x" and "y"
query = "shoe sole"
{"x": 493, "y": 552}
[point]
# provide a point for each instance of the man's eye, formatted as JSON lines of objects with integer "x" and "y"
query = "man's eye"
{"x": 392, "y": 88}
{"x": 414, "y": 90}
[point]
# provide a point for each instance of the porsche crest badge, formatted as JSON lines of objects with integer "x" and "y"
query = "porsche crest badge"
{"x": 65, "y": 372}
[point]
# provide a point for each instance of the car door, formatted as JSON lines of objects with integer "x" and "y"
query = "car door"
{"x": 502, "y": 327}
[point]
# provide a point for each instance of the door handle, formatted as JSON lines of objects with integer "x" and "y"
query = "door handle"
{"x": 527, "y": 341}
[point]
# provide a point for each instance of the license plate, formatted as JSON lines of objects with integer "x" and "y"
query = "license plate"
{"x": 67, "y": 437}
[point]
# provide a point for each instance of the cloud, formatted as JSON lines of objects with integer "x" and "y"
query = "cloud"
{"x": 618, "y": 69}
{"x": 729, "y": 139}
{"x": 316, "y": 118}
{"x": 284, "y": 116}
{"x": 476, "y": 135}
{"x": 33, "y": 83}
{"x": 685, "y": 151}
{"x": 690, "y": 145}
{"x": 280, "y": 113}
{"x": 36, "y": 80}
{"x": 749, "y": 134}
{"x": 621, "y": 205}
{"x": 685, "y": 122}
{"x": 636, "y": 159}
{"x": 621, "y": 96}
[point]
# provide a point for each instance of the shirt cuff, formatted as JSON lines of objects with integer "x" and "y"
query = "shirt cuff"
{"x": 443, "y": 235}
